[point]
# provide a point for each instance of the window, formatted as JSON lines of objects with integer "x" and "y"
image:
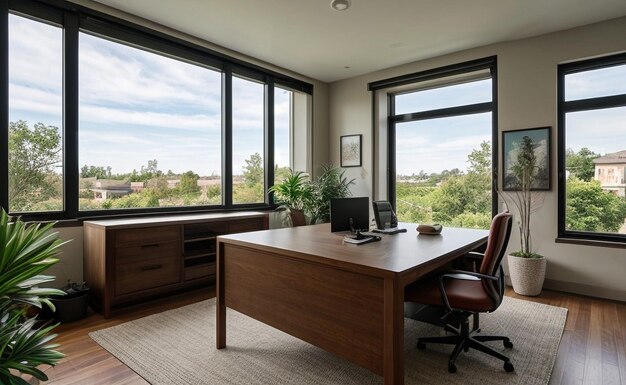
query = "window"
{"x": 109, "y": 118}
{"x": 440, "y": 147}
{"x": 592, "y": 149}
{"x": 282, "y": 133}
{"x": 149, "y": 129}
{"x": 291, "y": 131}
{"x": 35, "y": 116}
{"x": 248, "y": 141}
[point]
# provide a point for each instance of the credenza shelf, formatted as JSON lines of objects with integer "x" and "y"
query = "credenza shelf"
{"x": 128, "y": 261}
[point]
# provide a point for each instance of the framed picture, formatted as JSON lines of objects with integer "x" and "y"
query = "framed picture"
{"x": 513, "y": 142}
{"x": 350, "y": 146}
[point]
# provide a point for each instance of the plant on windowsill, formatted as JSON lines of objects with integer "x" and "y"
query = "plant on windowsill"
{"x": 291, "y": 194}
{"x": 527, "y": 268}
{"x": 26, "y": 251}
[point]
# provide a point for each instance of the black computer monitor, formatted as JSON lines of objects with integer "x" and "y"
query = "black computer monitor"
{"x": 344, "y": 209}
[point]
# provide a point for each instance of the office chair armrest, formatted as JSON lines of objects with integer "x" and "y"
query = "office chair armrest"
{"x": 450, "y": 273}
{"x": 474, "y": 255}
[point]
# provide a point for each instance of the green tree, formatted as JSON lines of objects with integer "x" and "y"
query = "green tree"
{"x": 581, "y": 164}
{"x": 98, "y": 172}
{"x": 253, "y": 174}
{"x": 33, "y": 155}
{"x": 589, "y": 208}
{"x": 466, "y": 194}
{"x": 189, "y": 183}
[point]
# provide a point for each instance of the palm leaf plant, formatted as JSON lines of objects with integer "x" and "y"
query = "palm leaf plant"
{"x": 332, "y": 183}
{"x": 26, "y": 251}
{"x": 292, "y": 194}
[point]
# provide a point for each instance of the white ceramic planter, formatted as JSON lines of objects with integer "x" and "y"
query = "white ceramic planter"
{"x": 527, "y": 274}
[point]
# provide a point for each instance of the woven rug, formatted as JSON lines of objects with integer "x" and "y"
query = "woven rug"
{"x": 178, "y": 347}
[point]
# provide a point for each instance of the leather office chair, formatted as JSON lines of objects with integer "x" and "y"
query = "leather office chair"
{"x": 465, "y": 293}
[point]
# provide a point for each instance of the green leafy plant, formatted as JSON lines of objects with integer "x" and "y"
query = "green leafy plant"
{"x": 26, "y": 251}
{"x": 293, "y": 191}
{"x": 331, "y": 183}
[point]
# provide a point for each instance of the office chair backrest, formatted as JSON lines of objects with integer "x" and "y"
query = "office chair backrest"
{"x": 499, "y": 234}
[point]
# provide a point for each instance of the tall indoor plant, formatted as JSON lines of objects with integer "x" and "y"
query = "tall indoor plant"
{"x": 527, "y": 268}
{"x": 25, "y": 252}
{"x": 331, "y": 183}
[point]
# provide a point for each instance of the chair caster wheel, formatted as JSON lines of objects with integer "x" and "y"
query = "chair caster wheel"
{"x": 451, "y": 368}
{"x": 508, "y": 344}
{"x": 508, "y": 366}
{"x": 421, "y": 345}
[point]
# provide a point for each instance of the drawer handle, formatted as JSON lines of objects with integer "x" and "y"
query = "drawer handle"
{"x": 149, "y": 246}
{"x": 151, "y": 267}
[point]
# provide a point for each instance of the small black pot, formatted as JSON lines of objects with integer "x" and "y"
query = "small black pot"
{"x": 69, "y": 308}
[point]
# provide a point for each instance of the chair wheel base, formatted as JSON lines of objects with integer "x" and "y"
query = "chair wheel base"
{"x": 421, "y": 345}
{"x": 508, "y": 366}
{"x": 452, "y": 368}
{"x": 508, "y": 344}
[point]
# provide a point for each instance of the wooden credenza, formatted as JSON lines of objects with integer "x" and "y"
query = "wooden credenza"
{"x": 130, "y": 260}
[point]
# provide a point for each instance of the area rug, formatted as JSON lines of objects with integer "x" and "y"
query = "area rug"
{"x": 178, "y": 347}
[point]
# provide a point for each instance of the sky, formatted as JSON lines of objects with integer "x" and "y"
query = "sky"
{"x": 137, "y": 106}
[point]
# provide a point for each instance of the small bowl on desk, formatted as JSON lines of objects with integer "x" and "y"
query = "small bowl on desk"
{"x": 429, "y": 229}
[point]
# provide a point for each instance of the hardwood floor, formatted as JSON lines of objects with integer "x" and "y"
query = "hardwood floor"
{"x": 592, "y": 350}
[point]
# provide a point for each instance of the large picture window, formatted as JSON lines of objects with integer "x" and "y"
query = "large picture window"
{"x": 592, "y": 149}
{"x": 149, "y": 129}
{"x": 35, "y": 116}
{"x": 441, "y": 150}
{"x": 106, "y": 117}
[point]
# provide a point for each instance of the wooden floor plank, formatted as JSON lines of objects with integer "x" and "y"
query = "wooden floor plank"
{"x": 591, "y": 349}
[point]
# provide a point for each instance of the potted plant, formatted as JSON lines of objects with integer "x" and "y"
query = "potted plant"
{"x": 292, "y": 193}
{"x": 330, "y": 184}
{"x": 527, "y": 268}
{"x": 25, "y": 252}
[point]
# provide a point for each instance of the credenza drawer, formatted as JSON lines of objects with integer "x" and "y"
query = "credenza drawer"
{"x": 199, "y": 271}
{"x": 147, "y": 235}
{"x": 146, "y": 274}
{"x": 144, "y": 251}
{"x": 245, "y": 225}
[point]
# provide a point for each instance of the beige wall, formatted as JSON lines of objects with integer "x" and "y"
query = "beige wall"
{"x": 71, "y": 266}
{"x": 527, "y": 71}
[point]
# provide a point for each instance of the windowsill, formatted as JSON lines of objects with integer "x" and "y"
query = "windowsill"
{"x": 591, "y": 242}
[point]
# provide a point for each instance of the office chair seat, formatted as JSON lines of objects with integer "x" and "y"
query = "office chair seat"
{"x": 462, "y": 293}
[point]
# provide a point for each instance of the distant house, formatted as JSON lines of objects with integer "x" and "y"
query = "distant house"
{"x": 610, "y": 170}
{"x": 110, "y": 188}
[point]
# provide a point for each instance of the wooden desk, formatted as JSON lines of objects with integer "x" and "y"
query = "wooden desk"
{"x": 345, "y": 299}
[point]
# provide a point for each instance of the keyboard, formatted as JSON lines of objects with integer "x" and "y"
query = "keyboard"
{"x": 393, "y": 230}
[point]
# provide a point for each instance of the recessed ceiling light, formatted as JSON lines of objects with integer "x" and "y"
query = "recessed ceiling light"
{"x": 340, "y": 5}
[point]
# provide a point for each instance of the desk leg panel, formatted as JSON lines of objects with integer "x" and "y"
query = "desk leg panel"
{"x": 337, "y": 310}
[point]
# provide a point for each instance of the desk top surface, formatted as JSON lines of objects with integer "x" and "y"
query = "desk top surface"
{"x": 393, "y": 253}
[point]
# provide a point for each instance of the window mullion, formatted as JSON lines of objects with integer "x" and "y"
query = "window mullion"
{"x": 269, "y": 137}
{"x": 4, "y": 104}
{"x": 70, "y": 114}
{"x": 227, "y": 136}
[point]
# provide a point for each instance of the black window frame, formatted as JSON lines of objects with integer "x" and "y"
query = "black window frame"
{"x": 587, "y": 104}
{"x": 488, "y": 63}
{"x": 74, "y": 18}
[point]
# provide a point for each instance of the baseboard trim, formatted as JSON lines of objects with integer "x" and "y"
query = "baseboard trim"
{"x": 582, "y": 289}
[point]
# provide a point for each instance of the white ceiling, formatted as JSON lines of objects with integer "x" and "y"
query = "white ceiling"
{"x": 308, "y": 37}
